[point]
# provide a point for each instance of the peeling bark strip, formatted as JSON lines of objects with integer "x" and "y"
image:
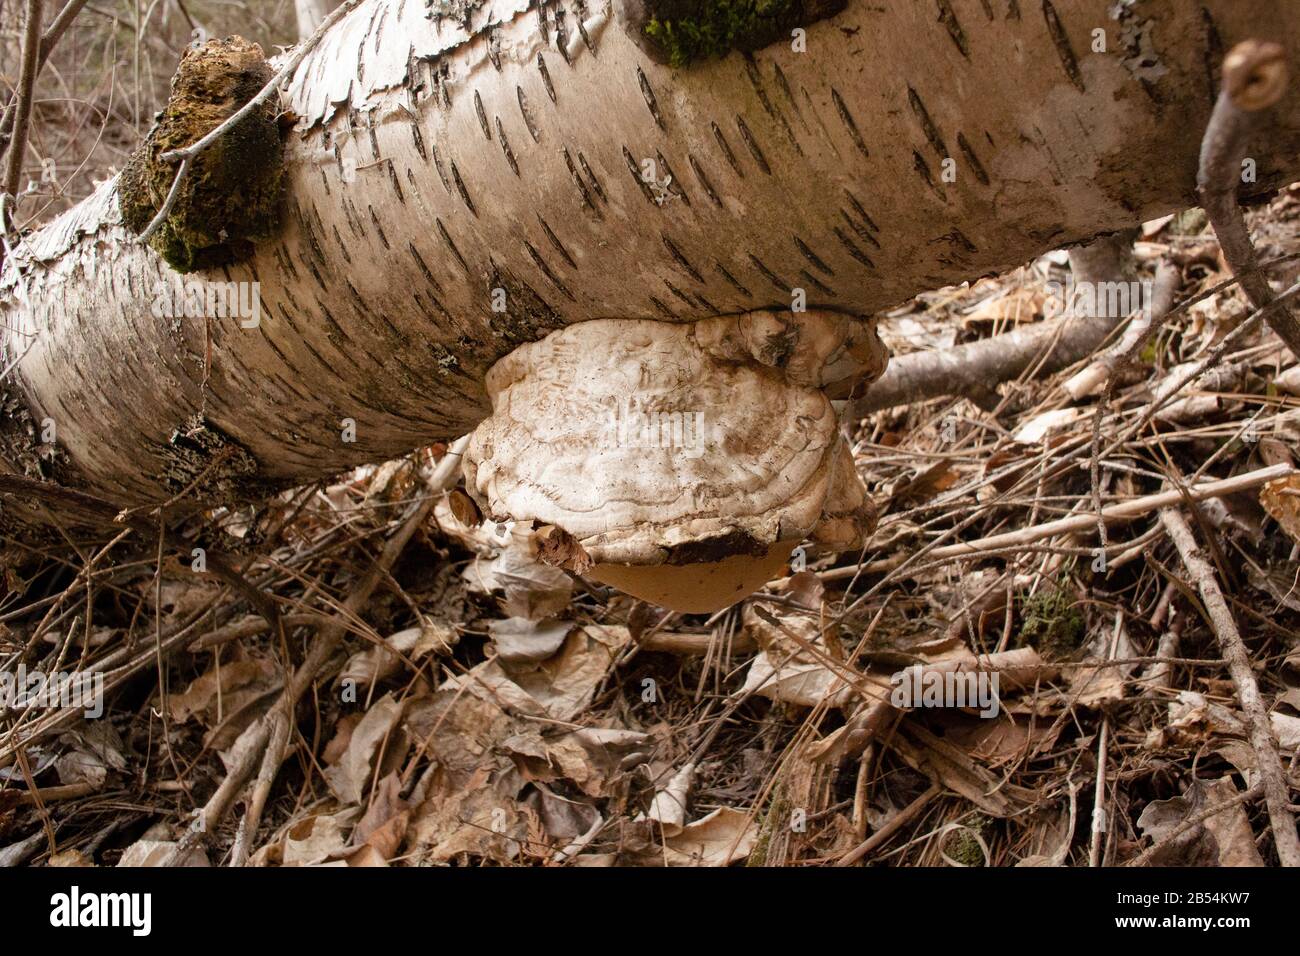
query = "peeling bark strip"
{"x": 381, "y": 315}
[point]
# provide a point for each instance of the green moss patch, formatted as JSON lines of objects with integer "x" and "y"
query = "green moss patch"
{"x": 1052, "y": 623}
{"x": 687, "y": 31}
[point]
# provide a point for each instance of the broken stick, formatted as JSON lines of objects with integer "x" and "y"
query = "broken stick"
{"x": 1272, "y": 777}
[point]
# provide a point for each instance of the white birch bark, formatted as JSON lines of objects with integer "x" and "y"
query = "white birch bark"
{"x": 435, "y": 162}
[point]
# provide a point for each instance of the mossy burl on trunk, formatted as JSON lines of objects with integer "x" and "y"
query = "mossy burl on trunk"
{"x": 230, "y": 197}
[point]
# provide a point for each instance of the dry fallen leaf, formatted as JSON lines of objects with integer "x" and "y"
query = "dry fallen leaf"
{"x": 520, "y": 640}
{"x": 155, "y": 852}
{"x": 378, "y": 663}
{"x": 95, "y": 750}
{"x": 224, "y": 689}
{"x": 350, "y": 777}
{"x": 719, "y": 839}
{"x": 318, "y": 838}
{"x": 532, "y": 589}
{"x": 1224, "y": 839}
{"x": 1281, "y": 499}
{"x": 383, "y": 826}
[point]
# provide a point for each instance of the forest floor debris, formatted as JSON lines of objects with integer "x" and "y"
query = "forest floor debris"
{"x": 423, "y": 691}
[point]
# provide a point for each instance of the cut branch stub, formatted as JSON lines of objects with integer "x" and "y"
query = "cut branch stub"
{"x": 685, "y": 460}
{"x": 230, "y": 195}
{"x": 1255, "y": 74}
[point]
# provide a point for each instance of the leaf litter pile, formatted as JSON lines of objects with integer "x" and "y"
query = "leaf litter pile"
{"x": 383, "y": 679}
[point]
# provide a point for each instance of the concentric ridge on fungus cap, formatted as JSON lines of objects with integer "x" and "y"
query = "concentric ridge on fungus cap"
{"x": 664, "y": 444}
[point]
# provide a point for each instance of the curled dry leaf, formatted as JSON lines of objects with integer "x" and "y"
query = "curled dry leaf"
{"x": 1223, "y": 839}
{"x": 1281, "y": 499}
{"x": 377, "y": 663}
{"x": 224, "y": 689}
{"x": 156, "y": 852}
{"x": 94, "y": 750}
{"x": 383, "y": 827}
{"x": 519, "y": 640}
{"x": 464, "y": 509}
{"x": 532, "y": 590}
{"x": 796, "y": 664}
{"x": 558, "y": 548}
{"x": 317, "y": 839}
{"x": 563, "y": 684}
{"x": 568, "y": 824}
{"x": 669, "y": 804}
{"x": 719, "y": 839}
{"x": 591, "y": 758}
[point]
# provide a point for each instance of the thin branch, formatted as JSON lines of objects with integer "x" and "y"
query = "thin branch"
{"x": 1073, "y": 524}
{"x": 1272, "y": 776}
{"x": 902, "y": 817}
{"x": 23, "y": 111}
{"x": 49, "y": 40}
{"x": 60, "y": 26}
{"x": 165, "y": 210}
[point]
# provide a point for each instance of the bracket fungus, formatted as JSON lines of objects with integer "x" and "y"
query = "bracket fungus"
{"x": 681, "y": 463}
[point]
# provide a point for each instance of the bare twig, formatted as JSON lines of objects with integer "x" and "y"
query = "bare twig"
{"x": 1162, "y": 301}
{"x": 49, "y": 40}
{"x": 903, "y": 817}
{"x": 974, "y": 368}
{"x": 1073, "y": 524}
{"x": 1100, "y": 824}
{"x": 23, "y": 103}
{"x": 1272, "y": 776}
{"x": 166, "y": 208}
{"x": 1095, "y": 376}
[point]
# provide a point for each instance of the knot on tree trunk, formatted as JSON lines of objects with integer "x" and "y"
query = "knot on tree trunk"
{"x": 230, "y": 197}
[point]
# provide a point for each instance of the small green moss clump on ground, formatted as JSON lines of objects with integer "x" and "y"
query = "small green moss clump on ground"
{"x": 687, "y": 32}
{"x": 1052, "y": 623}
{"x": 960, "y": 844}
{"x": 231, "y": 196}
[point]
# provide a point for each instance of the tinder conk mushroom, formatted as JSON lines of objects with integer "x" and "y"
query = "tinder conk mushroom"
{"x": 681, "y": 463}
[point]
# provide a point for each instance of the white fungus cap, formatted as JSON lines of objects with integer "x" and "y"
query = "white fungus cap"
{"x": 686, "y": 461}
